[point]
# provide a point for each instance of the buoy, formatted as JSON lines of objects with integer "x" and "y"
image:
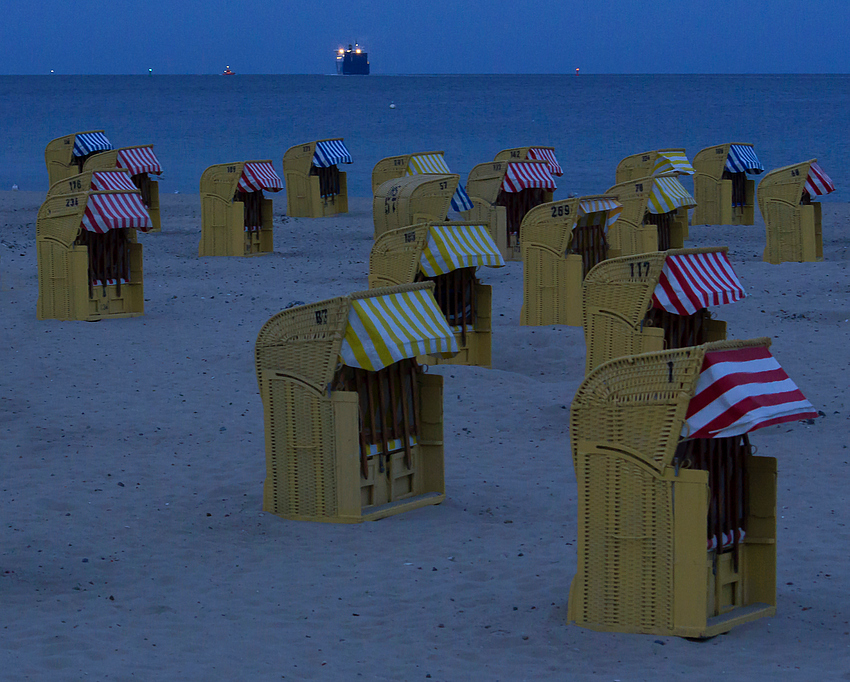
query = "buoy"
{"x": 392, "y": 105}
{"x": 14, "y": 187}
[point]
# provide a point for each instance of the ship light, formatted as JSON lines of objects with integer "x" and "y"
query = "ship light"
{"x": 357, "y": 51}
{"x": 341, "y": 51}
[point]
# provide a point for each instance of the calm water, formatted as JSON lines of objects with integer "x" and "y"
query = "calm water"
{"x": 592, "y": 121}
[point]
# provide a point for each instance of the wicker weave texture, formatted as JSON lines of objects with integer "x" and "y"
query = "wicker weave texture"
{"x": 714, "y": 194}
{"x": 303, "y": 193}
{"x": 629, "y": 235}
{"x": 793, "y": 231}
{"x": 616, "y": 296}
{"x": 412, "y": 199}
{"x": 313, "y": 433}
{"x": 394, "y": 167}
{"x": 59, "y": 157}
{"x": 394, "y": 258}
{"x": 640, "y": 568}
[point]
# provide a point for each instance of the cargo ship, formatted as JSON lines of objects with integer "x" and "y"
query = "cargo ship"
{"x": 352, "y": 62}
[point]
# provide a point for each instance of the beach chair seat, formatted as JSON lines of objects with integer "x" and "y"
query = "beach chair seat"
{"x": 315, "y": 187}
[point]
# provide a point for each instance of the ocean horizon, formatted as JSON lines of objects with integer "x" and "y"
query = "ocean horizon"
{"x": 592, "y": 120}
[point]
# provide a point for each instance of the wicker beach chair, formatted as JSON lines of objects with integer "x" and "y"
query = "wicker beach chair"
{"x": 502, "y": 192}
{"x": 413, "y": 199}
{"x": 652, "y": 301}
{"x": 562, "y": 241}
{"x": 236, "y": 219}
{"x": 315, "y": 187}
{"x": 140, "y": 162}
{"x": 89, "y": 260}
{"x": 354, "y": 427}
{"x": 676, "y": 516}
{"x": 448, "y": 255}
{"x": 66, "y": 155}
{"x": 537, "y": 153}
{"x": 658, "y": 162}
{"x": 792, "y": 221}
{"x": 654, "y": 217}
{"x": 723, "y": 192}
{"x": 423, "y": 163}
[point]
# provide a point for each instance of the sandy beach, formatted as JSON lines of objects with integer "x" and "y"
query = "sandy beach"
{"x": 133, "y": 542}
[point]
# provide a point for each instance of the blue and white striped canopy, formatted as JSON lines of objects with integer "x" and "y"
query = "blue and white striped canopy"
{"x": 88, "y": 143}
{"x": 742, "y": 159}
{"x": 461, "y": 201}
{"x": 330, "y": 152}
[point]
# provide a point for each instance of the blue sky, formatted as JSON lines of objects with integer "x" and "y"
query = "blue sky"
{"x": 473, "y": 36}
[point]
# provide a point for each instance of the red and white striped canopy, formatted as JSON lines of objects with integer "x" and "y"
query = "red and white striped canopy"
{"x": 113, "y": 210}
{"x": 691, "y": 281}
{"x": 740, "y": 390}
{"x": 102, "y": 181}
{"x": 521, "y": 175}
{"x": 547, "y": 155}
{"x": 259, "y": 175}
{"x": 818, "y": 182}
{"x": 139, "y": 160}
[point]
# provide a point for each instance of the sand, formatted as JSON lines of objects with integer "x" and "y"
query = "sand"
{"x": 133, "y": 542}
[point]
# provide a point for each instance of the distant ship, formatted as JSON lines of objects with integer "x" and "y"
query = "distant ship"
{"x": 352, "y": 62}
{"x": 228, "y": 72}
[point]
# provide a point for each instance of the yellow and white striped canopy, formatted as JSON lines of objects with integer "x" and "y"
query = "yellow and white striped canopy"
{"x": 427, "y": 163}
{"x": 669, "y": 194}
{"x": 385, "y": 329}
{"x": 451, "y": 247}
{"x": 587, "y": 207}
{"x": 673, "y": 161}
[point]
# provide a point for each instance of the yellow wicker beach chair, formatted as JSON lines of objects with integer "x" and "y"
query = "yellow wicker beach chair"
{"x": 723, "y": 192}
{"x": 793, "y": 221}
{"x": 660, "y": 161}
{"x": 502, "y": 192}
{"x": 89, "y": 261}
{"x": 412, "y": 199}
{"x": 676, "y": 517}
{"x": 66, "y": 155}
{"x": 537, "y": 153}
{"x": 140, "y": 162}
{"x": 354, "y": 427}
{"x": 654, "y": 217}
{"x": 448, "y": 255}
{"x": 422, "y": 163}
{"x": 562, "y": 241}
{"x": 653, "y": 301}
{"x": 315, "y": 187}
{"x": 236, "y": 219}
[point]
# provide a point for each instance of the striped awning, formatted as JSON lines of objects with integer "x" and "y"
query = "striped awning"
{"x": 690, "y": 281}
{"x": 88, "y": 143}
{"x": 113, "y": 210}
{"x": 588, "y": 206}
{"x": 427, "y": 163}
{"x": 520, "y": 176}
{"x": 421, "y": 164}
{"x": 673, "y": 161}
{"x": 106, "y": 180}
{"x": 548, "y": 155}
{"x": 668, "y": 194}
{"x": 818, "y": 182}
{"x": 330, "y": 152}
{"x": 451, "y": 247}
{"x": 257, "y": 176}
{"x": 740, "y": 390}
{"x": 742, "y": 159}
{"x": 385, "y": 329}
{"x": 139, "y": 160}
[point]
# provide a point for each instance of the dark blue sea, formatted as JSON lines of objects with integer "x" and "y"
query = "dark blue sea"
{"x": 592, "y": 120}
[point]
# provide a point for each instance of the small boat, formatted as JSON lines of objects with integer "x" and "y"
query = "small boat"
{"x": 228, "y": 72}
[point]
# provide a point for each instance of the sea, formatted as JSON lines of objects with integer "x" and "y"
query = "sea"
{"x": 592, "y": 121}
